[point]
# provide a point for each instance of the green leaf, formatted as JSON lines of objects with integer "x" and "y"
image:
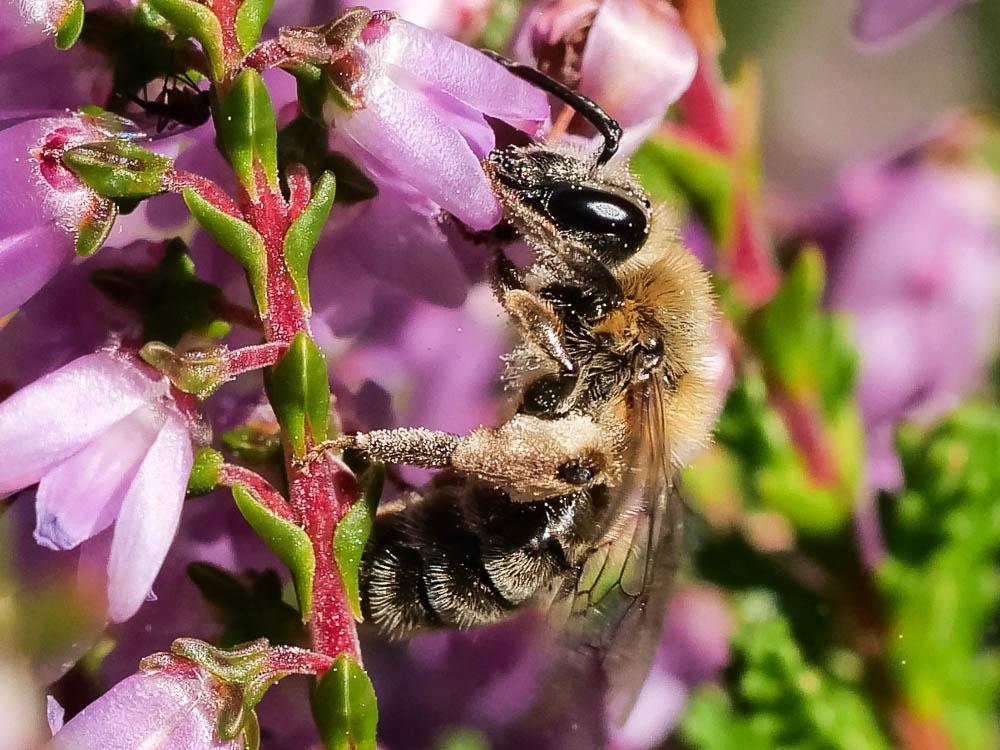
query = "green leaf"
{"x": 780, "y": 700}
{"x": 247, "y": 131}
{"x": 119, "y": 168}
{"x": 237, "y": 238}
{"x": 670, "y": 169}
{"x": 345, "y": 707}
{"x": 462, "y": 739}
{"x": 352, "y": 533}
{"x": 250, "y": 20}
{"x": 941, "y": 581}
{"x": 500, "y": 24}
{"x": 70, "y": 25}
{"x": 303, "y": 234}
{"x": 95, "y": 227}
{"x": 773, "y": 474}
{"x": 299, "y": 391}
{"x": 171, "y": 299}
{"x": 254, "y": 443}
{"x": 205, "y": 472}
{"x": 286, "y": 540}
{"x": 195, "y": 20}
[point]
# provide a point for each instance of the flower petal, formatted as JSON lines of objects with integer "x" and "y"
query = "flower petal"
{"x": 399, "y": 129}
{"x": 51, "y": 419}
{"x": 82, "y": 495}
{"x": 28, "y": 261}
{"x": 148, "y": 711}
{"x": 466, "y": 74}
{"x": 638, "y": 60}
{"x": 148, "y": 519}
{"x": 879, "y": 21}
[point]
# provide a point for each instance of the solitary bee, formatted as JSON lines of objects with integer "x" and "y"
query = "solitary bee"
{"x": 568, "y": 503}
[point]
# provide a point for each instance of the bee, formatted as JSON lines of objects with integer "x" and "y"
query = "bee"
{"x": 570, "y": 502}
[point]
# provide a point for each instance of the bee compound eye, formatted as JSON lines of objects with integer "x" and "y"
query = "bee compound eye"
{"x": 577, "y": 471}
{"x": 603, "y": 213}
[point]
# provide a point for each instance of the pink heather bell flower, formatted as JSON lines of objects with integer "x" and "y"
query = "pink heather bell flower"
{"x": 44, "y": 203}
{"x": 423, "y": 100}
{"x": 169, "y": 709}
{"x": 892, "y": 22}
{"x": 633, "y": 57}
{"x": 108, "y": 441}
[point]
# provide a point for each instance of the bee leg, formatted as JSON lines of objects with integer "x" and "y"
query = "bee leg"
{"x": 535, "y": 317}
{"x": 404, "y": 445}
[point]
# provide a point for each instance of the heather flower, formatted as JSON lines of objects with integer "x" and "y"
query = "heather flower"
{"x": 168, "y": 709}
{"x": 109, "y": 442}
{"x": 419, "y": 116}
{"x": 45, "y": 204}
{"x": 461, "y": 19}
{"x": 914, "y": 255}
{"x": 893, "y": 21}
{"x": 633, "y": 57}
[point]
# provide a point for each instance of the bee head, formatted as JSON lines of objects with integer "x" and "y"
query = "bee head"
{"x": 559, "y": 197}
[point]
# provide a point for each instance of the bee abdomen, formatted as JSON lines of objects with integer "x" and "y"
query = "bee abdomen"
{"x": 452, "y": 560}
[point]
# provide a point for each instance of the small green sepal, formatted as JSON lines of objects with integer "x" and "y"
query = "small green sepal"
{"x": 205, "y": 471}
{"x": 286, "y": 540}
{"x": 345, "y": 708}
{"x": 352, "y": 533}
{"x": 195, "y": 20}
{"x": 237, "y": 238}
{"x": 95, "y": 227}
{"x": 119, "y": 168}
{"x": 199, "y": 372}
{"x": 247, "y": 131}
{"x": 250, "y": 20}
{"x": 299, "y": 391}
{"x": 303, "y": 234}
{"x": 70, "y": 25}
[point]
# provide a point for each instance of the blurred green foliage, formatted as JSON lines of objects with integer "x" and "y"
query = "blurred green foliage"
{"x": 777, "y": 699}
{"x": 940, "y": 578}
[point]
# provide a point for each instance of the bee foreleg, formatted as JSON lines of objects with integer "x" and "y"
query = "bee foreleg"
{"x": 539, "y": 325}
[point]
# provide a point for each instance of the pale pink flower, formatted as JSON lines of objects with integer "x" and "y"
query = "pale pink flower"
{"x": 108, "y": 441}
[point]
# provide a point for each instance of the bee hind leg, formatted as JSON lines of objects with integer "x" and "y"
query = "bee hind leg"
{"x": 416, "y": 446}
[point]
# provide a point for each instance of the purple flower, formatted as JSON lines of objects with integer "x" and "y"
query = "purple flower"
{"x": 461, "y": 19}
{"x": 633, "y": 57}
{"x": 914, "y": 254}
{"x": 892, "y": 22}
{"x": 168, "y": 709}
{"x": 45, "y": 204}
{"x": 422, "y": 102}
{"x": 109, "y": 442}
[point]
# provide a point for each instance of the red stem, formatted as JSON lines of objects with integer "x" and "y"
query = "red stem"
{"x": 320, "y": 491}
{"x": 251, "y": 358}
{"x": 266, "y": 494}
{"x": 179, "y": 180}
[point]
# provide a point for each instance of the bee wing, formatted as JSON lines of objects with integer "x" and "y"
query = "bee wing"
{"x": 616, "y": 604}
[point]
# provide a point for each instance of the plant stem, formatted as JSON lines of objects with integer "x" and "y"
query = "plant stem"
{"x": 321, "y": 491}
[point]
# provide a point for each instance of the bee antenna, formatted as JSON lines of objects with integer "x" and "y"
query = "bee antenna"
{"x": 586, "y": 107}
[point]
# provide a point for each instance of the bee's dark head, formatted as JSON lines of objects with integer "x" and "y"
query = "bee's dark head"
{"x": 556, "y": 196}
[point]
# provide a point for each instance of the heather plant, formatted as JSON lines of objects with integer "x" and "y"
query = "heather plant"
{"x": 233, "y": 229}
